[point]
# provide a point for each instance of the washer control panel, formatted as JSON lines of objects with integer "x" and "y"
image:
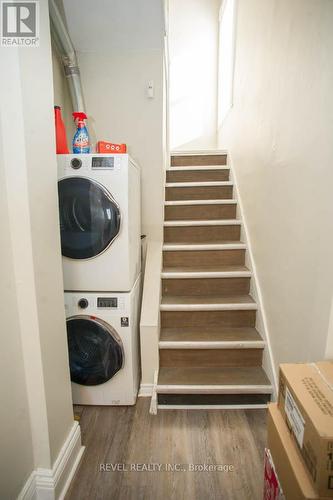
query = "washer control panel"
{"x": 91, "y": 303}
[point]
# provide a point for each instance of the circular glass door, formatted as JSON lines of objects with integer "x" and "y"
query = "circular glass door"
{"x": 95, "y": 350}
{"x": 89, "y": 218}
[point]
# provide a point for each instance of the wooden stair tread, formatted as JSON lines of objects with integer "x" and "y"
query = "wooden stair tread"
{"x": 206, "y": 299}
{"x": 209, "y": 334}
{"x": 198, "y": 159}
{"x": 215, "y": 233}
{"x": 244, "y": 376}
{"x": 203, "y": 269}
{"x": 200, "y": 192}
{"x": 203, "y": 175}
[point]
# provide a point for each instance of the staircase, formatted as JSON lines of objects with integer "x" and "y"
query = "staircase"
{"x": 210, "y": 352}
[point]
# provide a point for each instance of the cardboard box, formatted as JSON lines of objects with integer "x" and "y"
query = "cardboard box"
{"x": 110, "y": 147}
{"x": 306, "y": 404}
{"x": 289, "y": 466}
{"x": 272, "y": 487}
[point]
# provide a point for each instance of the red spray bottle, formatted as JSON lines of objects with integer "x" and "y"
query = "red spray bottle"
{"x": 61, "y": 141}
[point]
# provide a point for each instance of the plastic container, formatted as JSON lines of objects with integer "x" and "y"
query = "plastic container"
{"x": 60, "y": 132}
{"x": 81, "y": 143}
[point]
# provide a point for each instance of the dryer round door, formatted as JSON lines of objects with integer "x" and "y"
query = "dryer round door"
{"x": 89, "y": 218}
{"x": 95, "y": 350}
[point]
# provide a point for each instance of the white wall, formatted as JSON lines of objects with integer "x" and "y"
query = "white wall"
{"x": 120, "y": 48}
{"x": 150, "y": 316}
{"x": 15, "y": 428}
{"x": 114, "y": 85}
{"x": 36, "y": 415}
{"x": 329, "y": 342}
{"x": 279, "y": 133}
{"x": 193, "y": 50}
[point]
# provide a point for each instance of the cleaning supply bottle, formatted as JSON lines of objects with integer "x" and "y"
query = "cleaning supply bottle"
{"x": 81, "y": 137}
{"x": 61, "y": 140}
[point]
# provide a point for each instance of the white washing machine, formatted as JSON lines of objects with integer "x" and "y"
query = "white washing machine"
{"x": 99, "y": 207}
{"x": 103, "y": 346}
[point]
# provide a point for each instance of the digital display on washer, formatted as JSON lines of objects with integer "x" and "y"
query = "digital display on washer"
{"x": 107, "y": 302}
{"x": 103, "y": 162}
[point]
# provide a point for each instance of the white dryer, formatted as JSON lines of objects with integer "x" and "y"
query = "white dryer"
{"x": 99, "y": 207}
{"x": 103, "y": 346}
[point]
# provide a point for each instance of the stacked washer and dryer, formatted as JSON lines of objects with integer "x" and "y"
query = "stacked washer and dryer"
{"x": 99, "y": 206}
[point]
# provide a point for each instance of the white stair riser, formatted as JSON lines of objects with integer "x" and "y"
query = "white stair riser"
{"x": 195, "y": 248}
{"x": 201, "y": 202}
{"x": 208, "y": 307}
{"x": 198, "y": 168}
{"x": 211, "y": 222}
{"x": 211, "y": 345}
{"x": 189, "y": 184}
{"x": 214, "y": 389}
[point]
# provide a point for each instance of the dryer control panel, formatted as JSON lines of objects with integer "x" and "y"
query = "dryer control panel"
{"x": 102, "y": 162}
{"x": 110, "y": 302}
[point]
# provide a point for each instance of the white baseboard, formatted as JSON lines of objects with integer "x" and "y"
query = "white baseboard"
{"x": 261, "y": 324}
{"x": 146, "y": 390}
{"x": 29, "y": 491}
{"x": 52, "y": 484}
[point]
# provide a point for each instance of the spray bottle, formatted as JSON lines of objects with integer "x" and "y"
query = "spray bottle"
{"x": 61, "y": 140}
{"x": 81, "y": 137}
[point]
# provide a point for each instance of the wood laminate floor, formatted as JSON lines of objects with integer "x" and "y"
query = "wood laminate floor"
{"x": 129, "y": 437}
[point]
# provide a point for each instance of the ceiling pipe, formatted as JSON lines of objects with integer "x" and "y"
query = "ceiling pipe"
{"x": 64, "y": 45}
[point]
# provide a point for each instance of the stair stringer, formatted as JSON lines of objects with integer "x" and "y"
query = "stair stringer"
{"x": 255, "y": 289}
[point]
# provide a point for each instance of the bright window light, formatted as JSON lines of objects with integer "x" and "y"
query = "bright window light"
{"x": 226, "y": 58}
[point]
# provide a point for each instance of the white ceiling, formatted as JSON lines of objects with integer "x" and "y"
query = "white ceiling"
{"x": 99, "y": 25}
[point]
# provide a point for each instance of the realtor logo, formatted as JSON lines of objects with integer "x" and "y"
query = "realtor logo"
{"x": 20, "y": 23}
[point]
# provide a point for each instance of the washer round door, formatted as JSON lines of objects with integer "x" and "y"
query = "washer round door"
{"x": 89, "y": 218}
{"x": 95, "y": 350}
